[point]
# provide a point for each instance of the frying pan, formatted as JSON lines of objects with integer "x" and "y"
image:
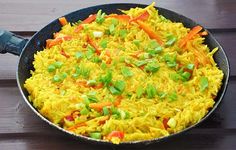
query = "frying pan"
{"x": 27, "y": 48}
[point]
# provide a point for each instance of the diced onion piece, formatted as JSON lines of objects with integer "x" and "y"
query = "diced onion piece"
{"x": 97, "y": 34}
{"x": 171, "y": 123}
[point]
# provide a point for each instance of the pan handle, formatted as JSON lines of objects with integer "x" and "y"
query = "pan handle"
{"x": 11, "y": 43}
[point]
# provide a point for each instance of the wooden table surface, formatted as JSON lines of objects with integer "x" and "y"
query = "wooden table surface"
{"x": 21, "y": 129}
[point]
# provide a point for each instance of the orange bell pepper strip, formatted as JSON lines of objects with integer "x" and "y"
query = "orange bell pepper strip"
{"x": 99, "y": 106}
{"x": 63, "y": 21}
{"x": 94, "y": 45}
{"x": 90, "y": 19}
{"x": 119, "y": 17}
{"x": 195, "y": 30}
{"x": 144, "y": 16}
{"x": 149, "y": 31}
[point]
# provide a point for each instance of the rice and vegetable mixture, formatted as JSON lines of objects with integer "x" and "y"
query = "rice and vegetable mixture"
{"x": 125, "y": 77}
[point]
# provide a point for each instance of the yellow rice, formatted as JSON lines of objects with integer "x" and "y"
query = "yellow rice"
{"x": 142, "y": 117}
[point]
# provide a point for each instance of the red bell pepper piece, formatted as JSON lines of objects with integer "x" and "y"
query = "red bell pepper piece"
{"x": 117, "y": 134}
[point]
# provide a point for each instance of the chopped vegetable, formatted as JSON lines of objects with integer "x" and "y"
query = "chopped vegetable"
{"x": 136, "y": 42}
{"x": 186, "y": 76}
{"x": 63, "y": 75}
{"x": 173, "y": 96}
{"x": 123, "y": 33}
{"x": 117, "y": 134}
{"x": 171, "y": 123}
{"x": 91, "y": 42}
{"x": 175, "y": 76}
{"x": 126, "y": 72}
{"x": 52, "y": 42}
{"x": 152, "y": 67}
{"x": 100, "y": 18}
{"x": 144, "y": 16}
{"x": 195, "y": 30}
{"x": 97, "y": 34}
{"x": 150, "y": 32}
{"x": 140, "y": 63}
{"x": 170, "y": 60}
{"x": 151, "y": 91}
{"x": 64, "y": 54}
{"x": 99, "y": 106}
{"x": 139, "y": 91}
{"x": 57, "y": 78}
{"x": 103, "y": 43}
{"x": 122, "y": 17}
{"x": 171, "y": 39}
{"x": 79, "y": 55}
{"x": 63, "y": 21}
{"x": 190, "y": 66}
{"x": 117, "y": 88}
{"x": 165, "y": 120}
{"x": 51, "y": 68}
{"x": 95, "y": 135}
{"x": 105, "y": 111}
{"x": 91, "y": 82}
{"x": 107, "y": 78}
{"x": 58, "y": 64}
{"x": 203, "y": 83}
{"x": 120, "y": 85}
{"x": 84, "y": 111}
{"x": 90, "y": 19}
{"x": 112, "y": 29}
{"x": 154, "y": 48}
{"x": 81, "y": 124}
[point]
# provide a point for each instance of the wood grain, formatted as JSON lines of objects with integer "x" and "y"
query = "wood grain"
{"x": 27, "y": 15}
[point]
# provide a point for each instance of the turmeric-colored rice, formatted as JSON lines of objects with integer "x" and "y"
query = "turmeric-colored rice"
{"x": 112, "y": 79}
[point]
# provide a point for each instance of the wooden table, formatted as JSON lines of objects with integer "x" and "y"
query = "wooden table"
{"x": 21, "y": 129}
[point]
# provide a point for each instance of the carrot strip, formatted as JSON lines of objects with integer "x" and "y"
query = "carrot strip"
{"x": 53, "y": 42}
{"x": 195, "y": 30}
{"x": 81, "y": 124}
{"x": 103, "y": 120}
{"x": 149, "y": 31}
{"x": 204, "y": 33}
{"x": 91, "y": 42}
{"x": 64, "y": 54}
{"x": 136, "y": 54}
{"x": 90, "y": 19}
{"x": 99, "y": 106}
{"x": 119, "y": 17}
{"x": 118, "y": 101}
{"x": 63, "y": 21}
{"x": 144, "y": 16}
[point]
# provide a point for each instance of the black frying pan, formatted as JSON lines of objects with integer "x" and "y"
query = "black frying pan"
{"x": 26, "y": 49}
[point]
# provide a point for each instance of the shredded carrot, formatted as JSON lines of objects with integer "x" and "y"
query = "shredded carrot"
{"x": 103, "y": 120}
{"x": 149, "y": 31}
{"x": 144, "y": 16}
{"x": 90, "y": 19}
{"x": 195, "y": 30}
{"x": 56, "y": 41}
{"x": 82, "y": 83}
{"x": 91, "y": 42}
{"x": 136, "y": 54}
{"x": 118, "y": 101}
{"x": 64, "y": 54}
{"x": 81, "y": 124}
{"x": 119, "y": 17}
{"x": 99, "y": 106}
{"x": 63, "y": 21}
